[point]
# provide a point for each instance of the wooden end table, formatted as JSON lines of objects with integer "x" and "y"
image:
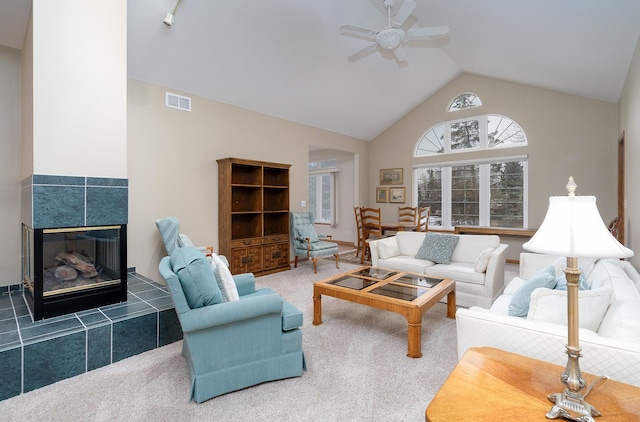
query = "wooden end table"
{"x": 407, "y": 294}
{"x": 490, "y": 384}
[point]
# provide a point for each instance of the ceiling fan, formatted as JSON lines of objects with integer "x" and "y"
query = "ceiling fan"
{"x": 392, "y": 37}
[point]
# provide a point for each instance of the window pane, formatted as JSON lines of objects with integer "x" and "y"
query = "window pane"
{"x": 504, "y": 132}
{"x": 465, "y": 135}
{"x": 326, "y": 197}
{"x": 312, "y": 194}
{"x": 465, "y": 195}
{"x": 463, "y": 101}
{"x": 432, "y": 142}
{"x": 430, "y": 193}
{"x": 507, "y": 194}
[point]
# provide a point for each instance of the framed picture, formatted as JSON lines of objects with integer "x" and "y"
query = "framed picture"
{"x": 391, "y": 176}
{"x": 397, "y": 195}
{"x": 381, "y": 195}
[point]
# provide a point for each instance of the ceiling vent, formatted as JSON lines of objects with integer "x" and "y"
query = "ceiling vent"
{"x": 178, "y": 101}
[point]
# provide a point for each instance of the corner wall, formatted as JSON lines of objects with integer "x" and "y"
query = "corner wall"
{"x": 10, "y": 163}
{"x": 567, "y": 136}
{"x": 630, "y": 125}
{"x": 173, "y": 171}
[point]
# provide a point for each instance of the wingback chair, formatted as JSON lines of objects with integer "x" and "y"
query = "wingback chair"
{"x": 169, "y": 229}
{"x": 307, "y": 242}
{"x": 234, "y": 344}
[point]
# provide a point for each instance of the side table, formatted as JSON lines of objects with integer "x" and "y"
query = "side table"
{"x": 490, "y": 384}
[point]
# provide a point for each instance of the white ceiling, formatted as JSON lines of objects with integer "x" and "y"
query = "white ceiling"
{"x": 287, "y": 58}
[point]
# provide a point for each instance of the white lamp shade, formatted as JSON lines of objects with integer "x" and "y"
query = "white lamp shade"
{"x": 573, "y": 227}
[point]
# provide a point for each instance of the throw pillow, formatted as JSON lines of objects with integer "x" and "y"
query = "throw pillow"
{"x": 388, "y": 248}
{"x": 437, "y": 247}
{"x": 184, "y": 240}
{"x": 519, "y": 305}
{"x": 551, "y": 306}
{"x": 561, "y": 282}
{"x": 585, "y": 264}
{"x": 196, "y": 278}
{"x": 482, "y": 261}
{"x": 225, "y": 281}
{"x": 307, "y": 230}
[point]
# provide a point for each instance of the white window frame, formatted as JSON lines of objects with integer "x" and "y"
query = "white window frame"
{"x": 485, "y": 187}
{"x": 333, "y": 195}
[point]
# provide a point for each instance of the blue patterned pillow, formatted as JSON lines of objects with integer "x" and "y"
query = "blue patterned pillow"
{"x": 437, "y": 247}
{"x": 307, "y": 230}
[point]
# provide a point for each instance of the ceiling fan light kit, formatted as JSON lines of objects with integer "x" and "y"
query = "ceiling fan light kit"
{"x": 392, "y": 37}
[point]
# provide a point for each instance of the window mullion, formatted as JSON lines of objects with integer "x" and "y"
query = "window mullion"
{"x": 485, "y": 195}
{"x": 446, "y": 198}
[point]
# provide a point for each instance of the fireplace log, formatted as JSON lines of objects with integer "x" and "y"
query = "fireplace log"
{"x": 65, "y": 273}
{"x": 79, "y": 262}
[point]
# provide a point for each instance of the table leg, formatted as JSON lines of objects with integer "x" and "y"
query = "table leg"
{"x": 451, "y": 304}
{"x": 317, "y": 309}
{"x": 414, "y": 336}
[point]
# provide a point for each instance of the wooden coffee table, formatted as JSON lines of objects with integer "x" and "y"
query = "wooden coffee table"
{"x": 404, "y": 293}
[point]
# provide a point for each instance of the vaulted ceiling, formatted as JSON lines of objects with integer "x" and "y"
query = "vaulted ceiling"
{"x": 287, "y": 58}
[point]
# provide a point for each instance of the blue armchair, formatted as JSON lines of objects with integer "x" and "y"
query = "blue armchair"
{"x": 231, "y": 345}
{"x": 307, "y": 242}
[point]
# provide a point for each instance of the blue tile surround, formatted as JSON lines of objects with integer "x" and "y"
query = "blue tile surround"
{"x": 35, "y": 354}
{"x": 74, "y": 201}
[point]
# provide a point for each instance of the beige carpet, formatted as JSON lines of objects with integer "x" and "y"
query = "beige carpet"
{"x": 357, "y": 371}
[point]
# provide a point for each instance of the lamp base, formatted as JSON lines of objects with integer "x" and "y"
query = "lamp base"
{"x": 573, "y": 408}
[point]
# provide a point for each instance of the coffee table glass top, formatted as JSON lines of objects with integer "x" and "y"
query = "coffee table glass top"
{"x": 399, "y": 292}
{"x": 350, "y": 282}
{"x": 418, "y": 280}
{"x": 396, "y": 284}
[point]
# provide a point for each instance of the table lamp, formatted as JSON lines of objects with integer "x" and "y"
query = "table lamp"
{"x": 573, "y": 228}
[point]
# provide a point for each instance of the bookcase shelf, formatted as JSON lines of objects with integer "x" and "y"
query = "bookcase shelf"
{"x": 253, "y": 215}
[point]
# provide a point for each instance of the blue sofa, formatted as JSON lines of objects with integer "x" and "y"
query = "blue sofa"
{"x": 232, "y": 345}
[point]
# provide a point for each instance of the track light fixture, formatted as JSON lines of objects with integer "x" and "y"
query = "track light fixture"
{"x": 170, "y": 16}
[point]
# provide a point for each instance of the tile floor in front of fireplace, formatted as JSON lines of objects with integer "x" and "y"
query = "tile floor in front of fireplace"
{"x": 35, "y": 354}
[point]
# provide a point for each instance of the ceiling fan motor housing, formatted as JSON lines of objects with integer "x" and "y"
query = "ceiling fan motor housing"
{"x": 390, "y": 38}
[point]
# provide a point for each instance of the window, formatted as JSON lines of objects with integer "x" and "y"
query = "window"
{"x": 322, "y": 191}
{"x": 476, "y": 133}
{"x": 490, "y": 194}
{"x": 466, "y": 100}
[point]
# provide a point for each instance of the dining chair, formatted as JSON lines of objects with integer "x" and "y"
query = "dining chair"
{"x": 408, "y": 214}
{"x": 371, "y": 228}
{"x": 423, "y": 219}
{"x": 359, "y": 233}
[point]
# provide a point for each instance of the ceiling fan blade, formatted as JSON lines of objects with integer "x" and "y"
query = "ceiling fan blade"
{"x": 363, "y": 53}
{"x": 429, "y": 32}
{"x": 404, "y": 12}
{"x": 400, "y": 53}
{"x": 356, "y": 31}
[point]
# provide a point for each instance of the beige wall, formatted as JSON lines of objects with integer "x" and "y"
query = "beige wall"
{"x": 630, "y": 125}
{"x": 10, "y": 152}
{"x": 567, "y": 136}
{"x": 80, "y": 88}
{"x": 173, "y": 170}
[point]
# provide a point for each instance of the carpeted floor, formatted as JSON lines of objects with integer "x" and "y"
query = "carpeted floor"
{"x": 357, "y": 371}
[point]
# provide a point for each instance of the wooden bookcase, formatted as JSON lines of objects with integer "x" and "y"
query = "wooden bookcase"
{"x": 253, "y": 215}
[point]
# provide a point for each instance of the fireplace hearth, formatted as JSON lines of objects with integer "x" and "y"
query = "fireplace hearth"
{"x": 71, "y": 269}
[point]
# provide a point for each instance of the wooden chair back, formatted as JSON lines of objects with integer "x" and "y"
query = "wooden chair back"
{"x": 408, "y": 214}
{"x": 371, "y": 222}
{"x": 423, "y": 219}
{"x": 359, "y": 231}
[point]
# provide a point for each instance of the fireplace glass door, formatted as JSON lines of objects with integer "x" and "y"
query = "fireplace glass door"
{"x": 69, "y": 269}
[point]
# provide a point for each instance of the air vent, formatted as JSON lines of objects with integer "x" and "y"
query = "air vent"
{"x": 178, "y": 101}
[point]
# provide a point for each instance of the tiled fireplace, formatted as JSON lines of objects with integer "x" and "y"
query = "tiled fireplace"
{"x": 74, "y": 252}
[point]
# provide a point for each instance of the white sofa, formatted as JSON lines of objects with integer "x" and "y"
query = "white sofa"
{"x": 612, "y": 348}
{"x": 472, "y": 287}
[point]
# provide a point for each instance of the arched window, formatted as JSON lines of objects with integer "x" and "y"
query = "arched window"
{"x": 487, "y": 191}
{"x": 466, "y": 100}
{"x": 472, "y": 133}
